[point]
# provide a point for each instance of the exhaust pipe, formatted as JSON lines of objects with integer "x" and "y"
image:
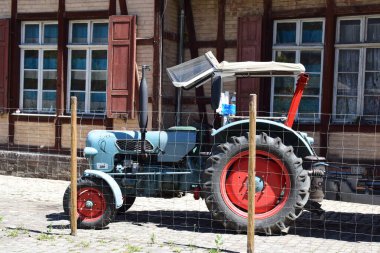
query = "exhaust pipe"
{"x": 143, "y": 105}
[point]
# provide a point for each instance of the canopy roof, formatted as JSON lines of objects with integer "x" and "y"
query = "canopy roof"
{"x": 195, "y": 72}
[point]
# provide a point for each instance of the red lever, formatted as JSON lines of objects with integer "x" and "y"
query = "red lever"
{"x": 301, "y": 83}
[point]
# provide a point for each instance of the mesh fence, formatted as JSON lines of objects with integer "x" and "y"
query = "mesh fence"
{"x": 184, "y": 188}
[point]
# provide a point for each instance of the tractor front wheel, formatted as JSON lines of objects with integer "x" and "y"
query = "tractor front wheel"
{"x": 95, "y": 204}
{"x": 282, "y": 185}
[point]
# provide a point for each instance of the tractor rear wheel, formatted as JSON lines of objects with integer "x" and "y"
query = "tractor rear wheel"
{"x": 282, "y": 185}
{"x": 95, "y": 204}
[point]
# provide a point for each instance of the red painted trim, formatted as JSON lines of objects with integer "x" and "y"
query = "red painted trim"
{"x": 301, "y": 84}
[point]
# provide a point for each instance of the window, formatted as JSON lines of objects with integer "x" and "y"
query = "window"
{"x": 38, "y": 67}
{"x": 87, "y": 65}
{"x": 298, "y": 41}
{"x": 357, "y": 69}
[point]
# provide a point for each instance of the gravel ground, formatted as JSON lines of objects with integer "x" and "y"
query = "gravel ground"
{"x": 32, "y": 220}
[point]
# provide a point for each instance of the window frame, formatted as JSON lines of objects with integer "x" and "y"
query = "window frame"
{"x": 40, "y": 47}
{"x": 299, "y": 47}
{"x": 89, "y": 48}
{"x": 362, "y": 46}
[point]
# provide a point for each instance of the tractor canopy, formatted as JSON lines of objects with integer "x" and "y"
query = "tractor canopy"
{"x": 197, "y": 71}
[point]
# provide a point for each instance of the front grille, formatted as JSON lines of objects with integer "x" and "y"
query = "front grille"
{"x": 133, "y": 145}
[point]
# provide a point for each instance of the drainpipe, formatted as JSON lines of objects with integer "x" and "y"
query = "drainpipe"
{"x": 178, "y": 91}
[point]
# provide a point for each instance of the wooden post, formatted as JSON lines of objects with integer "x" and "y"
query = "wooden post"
{"x": 73, "y": 209}
{"x": 251, "y": 174}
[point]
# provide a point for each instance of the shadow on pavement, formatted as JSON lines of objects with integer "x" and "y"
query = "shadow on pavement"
{"x": 351, "y": 227}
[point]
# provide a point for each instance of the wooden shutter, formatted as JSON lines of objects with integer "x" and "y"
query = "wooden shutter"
{"x": 121, "y": 66}
{"x": 4, "y": 36}
{"x": 249, "y": 49}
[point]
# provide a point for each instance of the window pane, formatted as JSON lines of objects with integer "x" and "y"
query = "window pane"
{"x": 78, "y": 59}
{"x": 283, "y": 85}
{"x": 372, "y": 83}
{"x": 30, "y": 100}
{"x": 351, "y": 57}
{"x": 311, "y": 60}
{"x": 79, "y": 33}
{"x": 286, "y": 33}
{"x": 51, "y": 34}
{"x": 30, "y": 79}
{"x": 50, "y": 80}
{"x": 346, "y": 108}
{"x": 349, "y": 31}
{"x": 98, "y": 81}
{"x": 50, "y": 59}
{"x": 98, "y": 102}
{"x": 281, "y": 105}
{"x": 371, "y": 106}
{"x": 286, "y": 56}
{"x": 99, "y": 60}
{"x": 78, "y": 80}
{"x": 312, "y": 32}
{"x": 48, "y": 101}
{"x": 313, "y": 86}
{"x": 373, "y": 59}
{"x": 373, "y": 30}
{"x": 80, "y": 98}
{"x": 31, "y": 59}
{"x": 100, "y": 33}
{"x": 347, "y": 84}
{"x": 32, "y": 34}
{"x": 309, "y": 107}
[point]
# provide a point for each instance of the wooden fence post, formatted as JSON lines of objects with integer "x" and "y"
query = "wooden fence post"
{"x": 73, "y": 209}
{"x": 251, "y": 174}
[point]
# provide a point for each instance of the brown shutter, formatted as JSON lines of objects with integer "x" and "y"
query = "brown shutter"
{"x": 121, "y": 66}
{"x": 4, "y": 36}
{"x": 249, "y": 49}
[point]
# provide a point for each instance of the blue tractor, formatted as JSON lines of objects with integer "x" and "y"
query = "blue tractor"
{"x": 212, "y": 165}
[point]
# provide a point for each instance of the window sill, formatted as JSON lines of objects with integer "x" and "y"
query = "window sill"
{"x": 21, "y": 114}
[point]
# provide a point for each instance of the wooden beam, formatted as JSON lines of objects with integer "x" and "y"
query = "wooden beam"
{"x": 170, "y": 36}
{"x": 328, "y": 75}
{"x": 199, "y": 92}
{"x": 14, "y": 66}
{"x": 357, "y": 10}
{"x": 112, "y": 7}
{"x": 220, "y": 33}
{"x": 80, "y": 15}
{"x": 61, "y": 71}
{"x": 300, "y": 13}
{"x": 123, "y": 7}
{"x": 37, "y": 16}
{"x": 156, "y": 114}
{"x": 145, "y": 41}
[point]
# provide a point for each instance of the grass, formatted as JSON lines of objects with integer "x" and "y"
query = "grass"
{"x": 218, "y": 244}
{"x": 132, "y": 248}
{"x": 84, "y": 244}
{"x": 1, "y": 218}
{"x": 13, "y": 233}
{"x": 45, "y": 237}
{"x": 152, "y": 239}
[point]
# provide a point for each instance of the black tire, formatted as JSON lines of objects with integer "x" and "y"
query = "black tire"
{"x": 287, "y": 207}
{"x": 127, "y": 203}
{"x": 99, "y": 194}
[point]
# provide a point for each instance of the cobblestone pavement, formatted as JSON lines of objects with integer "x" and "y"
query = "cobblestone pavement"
{"x": 32, "y": 220}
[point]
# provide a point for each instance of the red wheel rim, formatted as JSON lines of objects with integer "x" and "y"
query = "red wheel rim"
{"x": 91, "y": 204}
{"x": 269, "y": 201}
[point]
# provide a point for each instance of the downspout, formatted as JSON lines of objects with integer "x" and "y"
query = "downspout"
{"x": 178, "y": 91}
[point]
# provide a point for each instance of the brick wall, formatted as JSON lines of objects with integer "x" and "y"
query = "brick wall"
{"x": 82, "y": 132}
{"x": 40, "y": 134}
{"x": 23, "y": 164}
{"x": 346, "y": 146}
{"x": 25, "y": 6}
{"x": 5, "y": 9}
{"x": 88, "y": 5}
{"x": 4, "y": 126}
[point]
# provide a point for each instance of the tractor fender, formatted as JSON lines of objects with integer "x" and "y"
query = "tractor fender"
{"x": 110, "y": 181}
{"x": 289, "y": 137}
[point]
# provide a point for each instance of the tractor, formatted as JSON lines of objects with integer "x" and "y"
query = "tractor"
{"x": 212, "y": 164}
